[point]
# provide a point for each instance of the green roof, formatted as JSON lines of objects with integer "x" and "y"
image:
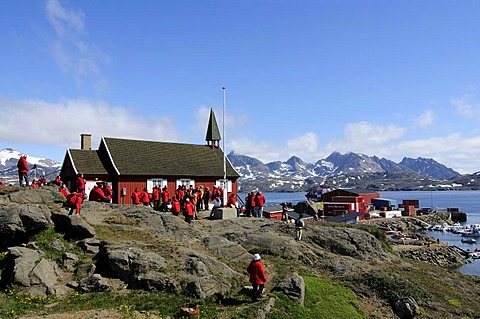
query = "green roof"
{"x": 87, "y": 161}
{"x": 138, "y": 157}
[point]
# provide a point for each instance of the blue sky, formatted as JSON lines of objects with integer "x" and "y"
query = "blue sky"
{"x": 303, "y": 78}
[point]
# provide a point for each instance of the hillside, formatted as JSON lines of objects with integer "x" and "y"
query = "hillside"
{"x": 131, "y": 261}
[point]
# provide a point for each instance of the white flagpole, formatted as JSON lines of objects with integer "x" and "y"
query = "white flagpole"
{"x": 225, "y": 182}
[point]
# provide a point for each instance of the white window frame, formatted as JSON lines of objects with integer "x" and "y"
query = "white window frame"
{"x": 162, "y": 182}
{"x": 219, "y": 183}
{"x": 185, "y": 182}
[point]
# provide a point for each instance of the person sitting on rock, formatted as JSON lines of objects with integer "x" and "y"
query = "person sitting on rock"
{"x": 64, "y": 191}
{"x": 57, "y": 181}
{"x": 74, "y": 201}
{"x": 107, "y": 190}
{"x": 97, "y": 195}
{"x": 42, "y": 181}
{"x": 216, "y": 204}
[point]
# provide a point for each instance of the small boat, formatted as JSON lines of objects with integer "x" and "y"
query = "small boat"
{"x": 474, "y": 233}
{"x": 469, "y": 240}
{"x": 475, "y": 254}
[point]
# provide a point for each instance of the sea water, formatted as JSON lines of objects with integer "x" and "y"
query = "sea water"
{"x": 466, "y": 201}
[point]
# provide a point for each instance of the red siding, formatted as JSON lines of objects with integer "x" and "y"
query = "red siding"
{"x": 130, "y": 182}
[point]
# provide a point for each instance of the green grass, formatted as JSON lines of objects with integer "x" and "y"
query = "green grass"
{"x": 14, "y": 304}
{"x": 324, "y": 299}
{"x": 43, "y": 240}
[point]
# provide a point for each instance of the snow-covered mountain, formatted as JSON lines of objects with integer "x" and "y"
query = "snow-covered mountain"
{"x": 8, "y": 166}
{"x": 340, "y": 170}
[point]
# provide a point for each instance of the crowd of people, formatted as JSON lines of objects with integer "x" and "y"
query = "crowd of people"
{"x": 188, "y": 201}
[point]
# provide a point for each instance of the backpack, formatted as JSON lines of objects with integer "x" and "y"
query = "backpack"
{"x": 298, "y": 222}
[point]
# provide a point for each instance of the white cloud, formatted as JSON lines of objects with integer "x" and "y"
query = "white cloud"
{"x": 305, "y": 146}
{"x": 465, "y": 108}
{"x": 63, "y": 20}
{"x": 60, "y": 124}
{"x": 263, "y": 151}
{"x": 74, "y": 56}
{"x": 425, "y": 120}
{"x": 366, "y": 138}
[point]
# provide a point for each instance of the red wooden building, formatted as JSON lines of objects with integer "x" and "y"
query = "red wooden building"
{"x": 128, "y": 164}
{"x": 341, "y": 201}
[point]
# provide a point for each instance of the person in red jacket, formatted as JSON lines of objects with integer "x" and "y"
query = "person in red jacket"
{"x": 97, "y": 195}
{"x": 156, "y": 197}
{"x": 259, "y": 203}
{"x": 136, "y": 196}
{"x": 175, "y": 206}
{"x": 165, "y": 199}
{"x": 34, "y": 184}
{"x": 251, "y": 204}
{"x": 189, "y": 210}
{"x": 42, "y": 181}
{"x": 256, "y": 270}
{"x": 58, "y": 181}
{"x": 107, "y": 190}
{"x": 232, "y": 203}
{"x": 80, "y": 184}
{"x": 22, "y": 167}
{"x": 74, "y": 201}
{"x": 145, "y": 197}
{"x": 64, "y": 191}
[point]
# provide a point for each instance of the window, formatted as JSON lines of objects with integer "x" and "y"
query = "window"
{"x": 185, "y": 182}
{"x": 154, "y": 182}
{"x": 219, "y": 183}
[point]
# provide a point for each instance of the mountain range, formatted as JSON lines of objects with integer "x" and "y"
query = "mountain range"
{"x": 8, "y": 166}
{"x": 350, "y": 170}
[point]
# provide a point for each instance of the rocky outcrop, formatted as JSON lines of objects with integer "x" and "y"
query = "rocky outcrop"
{"x": 135, "y": 266}
{"x": 349, "y": 242}
{"x": 27, "y": 268}
{"x": 19, "y": 223}
{"x": 73, "y": 226}
{"x": 440, "y": 255}
{"x": 151, "y": 250}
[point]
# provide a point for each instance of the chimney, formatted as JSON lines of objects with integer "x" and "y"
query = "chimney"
{"x": 86, "y": 141}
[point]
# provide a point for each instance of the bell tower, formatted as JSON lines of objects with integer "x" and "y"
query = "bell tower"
{"x": 213, "y": 137}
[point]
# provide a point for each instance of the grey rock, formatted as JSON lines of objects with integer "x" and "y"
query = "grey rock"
{"x": 85, "y": 270}
{"x": 73, "y": 226}
{"x": 265, "y": 309}
{"x": 208, "y": 286}
{"x": 57, "y": 245}
{"x": 406, "y": 308}
{"x": 19, "y": 223}
{"x": 32, "y": 272}
{"x": 43, "y": 195}
{"x": 349, "y": 242}
{"x": 90, "y": 245}
{"x": 293, "y": 287}
{"x": 202, "y": 265}
{"x": 69, "y": 261}
{"x": 135, "y": 266}
{"x": 95, "y": 283}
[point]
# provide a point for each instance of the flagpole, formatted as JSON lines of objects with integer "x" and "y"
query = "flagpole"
{"x": 225, "y": 183}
